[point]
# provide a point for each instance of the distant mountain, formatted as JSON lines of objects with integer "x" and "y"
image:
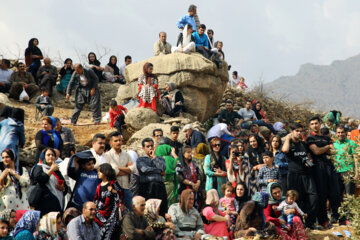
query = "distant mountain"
{"x": 333, "y": 87}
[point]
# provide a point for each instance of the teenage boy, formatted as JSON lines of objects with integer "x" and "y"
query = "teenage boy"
{"x": 268, "y": 173}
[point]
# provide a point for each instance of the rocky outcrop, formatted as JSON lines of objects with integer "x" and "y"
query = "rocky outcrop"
{"x": 138, "y": 118}
{"x": 200, "y": 81}
{"x": 4, "y": 101}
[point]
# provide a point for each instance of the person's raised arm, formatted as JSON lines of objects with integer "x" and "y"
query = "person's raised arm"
{"x": 286, "y": 146}
{"x": 319, "y": 150}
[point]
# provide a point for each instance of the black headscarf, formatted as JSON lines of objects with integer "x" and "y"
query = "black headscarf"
{"x": 18, "y": 114}
{"x": 95, "y": 62}
{"x": 257, "y": 112}
{"x": 33, "y": 50}
{"x": 113, "y": 66}
{"x": 255, "y": 157}
{"x": 243, "y": 199}
{"x": 5, "y": 112}
{"x": 18, "y": 170}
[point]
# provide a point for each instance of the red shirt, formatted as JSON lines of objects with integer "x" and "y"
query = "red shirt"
{"x": 114, "y": 114}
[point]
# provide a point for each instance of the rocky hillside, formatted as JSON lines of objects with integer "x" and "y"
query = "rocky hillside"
{"x": 327, "y": 87}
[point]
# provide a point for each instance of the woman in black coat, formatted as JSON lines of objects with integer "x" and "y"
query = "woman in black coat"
{"x": 172, "y": 100}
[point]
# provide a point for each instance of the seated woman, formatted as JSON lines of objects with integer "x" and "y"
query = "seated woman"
{"x": 112, "y": 72}
{"x": 27, "y": 226}
{"x": 94, "y": 64}
{"x": 48, "y": 136}
{"x": 46, "y": 173}
{"x": 13, "y": 182}
{"x": 164, "y": 229}
{"x": 148, "y": 87}
{"x": 241, "y": 196}
{"x": 186, "y": 41}
{"x": 50, "y": 227}
{"x": 297, "y": 231}
{"x": 187, "y": 220}
{"x": 173, "y": 100}
{"x": 65, "y": 75}
{"x": 216, "y": 222}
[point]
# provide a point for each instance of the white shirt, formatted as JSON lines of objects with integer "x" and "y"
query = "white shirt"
{"x": 247, "y": 114}
{"x": 218, "y": 130}
{"x": 122, "y": 70}
{"x": 83, "y": 80}
{"x": 5, "y": 75}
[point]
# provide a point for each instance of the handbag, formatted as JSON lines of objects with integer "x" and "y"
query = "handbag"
{"x": 34, "y": 194}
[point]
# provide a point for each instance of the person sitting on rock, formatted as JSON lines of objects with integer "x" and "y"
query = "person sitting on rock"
{"x": 173, "y": 100}
{"x": 5, "y": 74}
{"x": 33, "y": 55}
{"x": 65, "y": 75}
{"x": 128, "y": 61}
{"x": 112, "y": 72}
{"x": 117, "y": 116}
{"x": 188, "y": 19}
{"x": 148, "y": 88}
{"x": 86, "y": 92}
{"x": 210, "y": 35}
{"x": 186, "y": 41}
{"x": 47, "y": 76}
{"x": 94, "y": 65}
{"x": 219, "y": 45}
{"x": 202, "y": 45}
{"x": 43, "y": 103}
{"x": 229, "y": 116}
{"x": 66, "y": 134}
{"x": 22, "y": 80}
{"x": 161, "y": 47}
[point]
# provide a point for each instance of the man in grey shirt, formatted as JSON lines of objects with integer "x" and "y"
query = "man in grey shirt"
{"x": 249, "y": 117}
{"x": 84, "y": 227}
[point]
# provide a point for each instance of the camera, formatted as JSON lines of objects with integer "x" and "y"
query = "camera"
{"x": 308, "y": 163}
{"x": 236, "y": 154}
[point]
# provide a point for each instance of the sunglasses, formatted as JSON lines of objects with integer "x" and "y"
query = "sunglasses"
{"x": 216, "y": 145}
{"x": 158, "y": 135}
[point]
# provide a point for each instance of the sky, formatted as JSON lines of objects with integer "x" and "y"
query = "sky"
{"x": 263, "y": 39}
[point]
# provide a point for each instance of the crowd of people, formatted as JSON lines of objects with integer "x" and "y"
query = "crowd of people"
{"x": 229, "y": 183}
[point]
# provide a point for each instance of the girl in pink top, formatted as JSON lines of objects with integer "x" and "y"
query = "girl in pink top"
{"x": 227, "y": 202}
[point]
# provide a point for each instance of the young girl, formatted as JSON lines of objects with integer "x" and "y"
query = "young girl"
{"x": 107, "y": 199}
{"x": 117, "y": 116}
{"x": 227, "y": 201}
{"x": 242, "y": 84}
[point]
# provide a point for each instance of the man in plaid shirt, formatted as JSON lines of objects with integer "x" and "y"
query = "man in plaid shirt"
{"x": 268, "y": 173}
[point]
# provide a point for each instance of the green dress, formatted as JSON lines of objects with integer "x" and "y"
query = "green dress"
{"x": 170, "y": 179}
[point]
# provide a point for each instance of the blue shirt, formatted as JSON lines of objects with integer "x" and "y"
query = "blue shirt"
{"x": 201, "y": 40}
{"x": 187, "y": 19}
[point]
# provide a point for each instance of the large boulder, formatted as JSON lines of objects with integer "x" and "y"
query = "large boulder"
{"x": 138, "y": 118}
{"x": 198, "y": 78}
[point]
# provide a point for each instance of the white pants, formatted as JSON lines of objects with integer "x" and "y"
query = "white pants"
{"x": 188, "y": 48}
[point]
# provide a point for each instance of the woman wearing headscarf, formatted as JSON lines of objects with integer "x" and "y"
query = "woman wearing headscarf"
{"x": 172, "y": 100}
{"x": 112, "y": 71}
{"x": 187, "y": 220}
{"x": 188, "y": 175}
{"x": 26, "y": 226}
{"x": 186, "y": 41}
{"x": 50, "y": 227}
{"x": 33, "y": 55}
{"x": 215, "y": 220}
{"x": 48, "y": 136}
{"x": 94, "y": 64}
{"x": 12, "y": 132}
{"x": 148, "y": 87}
{"x": 276, "y": 197}
{"x": 258, "y": 111}
{"x": 164, "y": 229}
{"x": 46, "y": 173}
{"x": 200, "y": 153}
{"x": 214, "y": 167}
{"x": 170, "y": 180}
{"x": 13, "y": 181}
{"x": 65, "y": 75}
{"x": 241, "y": 196}
{"x": 9, "y": 215}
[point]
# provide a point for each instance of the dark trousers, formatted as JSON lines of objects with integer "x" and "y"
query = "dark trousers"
{"x": 5, "y": 89}
{"x": 327, "y": 185}
{"x": 119, "y": 122}
{"x": 155, "y": 190}
{"x": 83, "y": 96}
{"x": 283, "y": 182}
{"x": 308, "y": 199}
{"x": 345, "y": 188}
{"x": 17, "y": 88}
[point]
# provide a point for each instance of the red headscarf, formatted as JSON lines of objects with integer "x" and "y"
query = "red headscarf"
{"x": 148, "y": 75}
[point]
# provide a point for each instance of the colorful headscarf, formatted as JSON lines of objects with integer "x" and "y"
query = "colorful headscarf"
{"x": 28, "y": 221}
{"x": 48, "y": 223}
{"x": 19, "y": 214}
{"x": 53, "y": 132}
{"x": 165, "y": 151}
{"x": 201, "y": 151}
{"x": 270, "y": 187}
{"x": 262, "y": 198}
{"x": 152, "y": 207}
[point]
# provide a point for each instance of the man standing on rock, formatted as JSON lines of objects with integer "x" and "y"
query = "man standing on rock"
{"x": 86, "y": 92}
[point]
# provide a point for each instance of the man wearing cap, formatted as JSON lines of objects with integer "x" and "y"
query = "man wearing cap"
{"x": 193, "y": 137}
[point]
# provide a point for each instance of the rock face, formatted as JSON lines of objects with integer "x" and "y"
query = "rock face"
{"x": 4, "y": 101}
{"x": 200, "y": 81}
{"x": 138, "y": 118}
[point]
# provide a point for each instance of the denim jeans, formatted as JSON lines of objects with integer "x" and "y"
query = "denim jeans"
{"x": 127, "y": 199}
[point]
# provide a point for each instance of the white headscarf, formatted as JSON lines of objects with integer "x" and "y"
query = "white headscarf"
{"x": 186, "y": 37}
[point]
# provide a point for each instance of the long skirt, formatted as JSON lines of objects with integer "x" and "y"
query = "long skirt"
{"x": 297, "y": 231}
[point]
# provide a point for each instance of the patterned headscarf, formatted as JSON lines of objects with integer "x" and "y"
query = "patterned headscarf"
{"x": 48, "y": 223}
{"x": 262, "y": 198}
{"x": 28, "y": 221}
{"x": 270, "y": 187}
{"x": 152, "y": 207}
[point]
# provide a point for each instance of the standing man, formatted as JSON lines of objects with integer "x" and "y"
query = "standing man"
{"x": 47, "y": 76}
{"x": 157, "y": 135}
{"x": 22, "y": 80}
{"x": 86, "y": 92}
{"x": 162, "y": 47}
{"x": 84, "y": 227}
{"x": 151, "y": 171}
{"x": 193, "y": 137}
{"x": 346, "y": 163}
{"x": 299, "y": 175}
{"x": 174, "y": 135}
{"x": 98, "y": 148}
{"x": 327, "y": 183}
{"x": 122, "y": 164}
{"x": 128, "y": 61}
{"x": 5, "y": 74}
{"x": 188, "y": 18}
